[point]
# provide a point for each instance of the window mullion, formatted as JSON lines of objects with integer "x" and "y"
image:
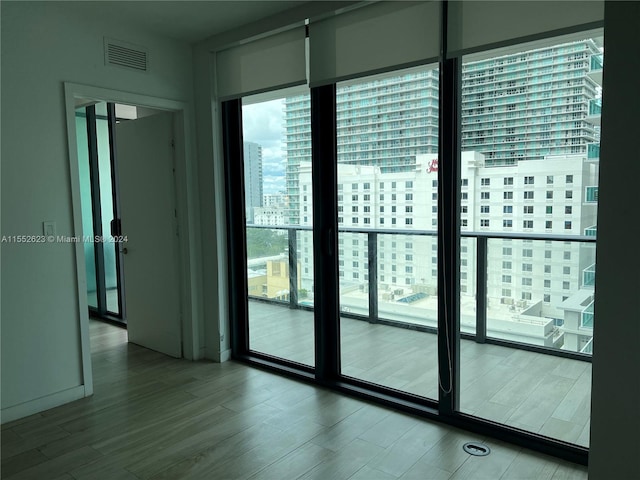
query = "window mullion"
{"x": 449, "y": 237}
{"x": 325, "y": 231}
{"x": 236, "y": 235}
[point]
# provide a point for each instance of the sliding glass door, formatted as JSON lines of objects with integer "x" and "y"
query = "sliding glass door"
{"x": 529, "y": 176}
{"x": 387, "y": 179}
{"x": 278, "y": 213}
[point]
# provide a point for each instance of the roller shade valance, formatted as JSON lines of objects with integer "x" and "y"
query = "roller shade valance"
{"x": 373, "y": 38}
{"x": 476, "y": 25}
{"x": 276, "y": 61}
{"x": 387, "y": 35}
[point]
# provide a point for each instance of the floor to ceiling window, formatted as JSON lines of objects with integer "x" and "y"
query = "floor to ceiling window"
{"x": 278, "y": 196}
{"x": 529, "y": 191}
{"x": 387, "y": 179}
{"x": 424, "y": 230}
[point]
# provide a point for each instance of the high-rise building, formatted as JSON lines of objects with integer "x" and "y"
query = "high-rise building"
{"x": 520, "y": 106}
{"x": 529, "y": 105}
{"x": 530, "y": 133}
{"x": 530, "y": 148}
{"x": 385, "y": 122}
{"x": 298, "y": 149}
{"x": 252, "y": 179}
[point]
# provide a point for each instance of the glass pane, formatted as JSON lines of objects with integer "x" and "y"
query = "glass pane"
{"x": 277, "y": 183}
{"x": 387, "y": 132}
{"x": 353, "y": 273}
{"x": 413, "y": 260}
{"x": 106, "y": 204}
{"x": 468, "y": 285}
{"x": 530, "y": 136}
{"x": 86, "y": 205}
{"x": 305, "y": 262}
{"x": 553, "y": 280}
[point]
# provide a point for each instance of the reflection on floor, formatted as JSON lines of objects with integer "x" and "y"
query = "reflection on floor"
{"x": 156, "y": 417}
{"x": 532, "y": 391}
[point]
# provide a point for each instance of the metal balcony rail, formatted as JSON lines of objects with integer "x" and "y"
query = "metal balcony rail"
{"x": 482, "y": 239}
{"x": 596, "y": 62}
{"x": 588, "y": 347}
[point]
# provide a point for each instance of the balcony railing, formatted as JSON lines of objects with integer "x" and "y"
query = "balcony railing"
{"x": 595, "y": 106}
{"x": 526, "y": 313}
{"x": 589, "y": 275}
{"x": 591, "y": 194}
{"x": 597, "y": 62}
{"x": 586, "y": 320}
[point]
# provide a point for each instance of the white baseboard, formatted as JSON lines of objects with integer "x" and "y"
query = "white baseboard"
{"x": 41, "y": 404}
{"x": 225, "y": 355}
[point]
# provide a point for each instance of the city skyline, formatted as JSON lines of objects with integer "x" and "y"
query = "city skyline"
{"x": 530, "y": 148}
{"x": 491, "y": 87}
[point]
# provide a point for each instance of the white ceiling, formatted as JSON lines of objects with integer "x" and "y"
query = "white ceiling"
{"x": 190, "y": 21}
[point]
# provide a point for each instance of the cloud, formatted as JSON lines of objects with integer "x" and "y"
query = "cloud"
{"x": 272, "y": 184}
{"x": 264, "y": 124}
{"x": 276, "y": 169}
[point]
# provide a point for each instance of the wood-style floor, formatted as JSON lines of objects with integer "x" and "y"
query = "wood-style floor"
{"x": 535, "y": 392}
{"x": 154, "y": 417}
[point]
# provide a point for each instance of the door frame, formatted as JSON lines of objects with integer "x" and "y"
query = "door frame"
{"x": 186, "y": 185}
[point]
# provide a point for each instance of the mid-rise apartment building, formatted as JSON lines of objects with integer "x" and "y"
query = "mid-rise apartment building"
{"x": 273, "y": 216}
{"x": 275, "y": 200}
{"x": 496, "y": 202}
{"x": 275, "y": 210}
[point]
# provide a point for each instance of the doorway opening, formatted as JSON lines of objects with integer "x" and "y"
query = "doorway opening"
{"x": 126, "y": 166}
{"x": 103, "y": 241}
{"x": 100, "y": 205}
{"x": 155, "y": 286}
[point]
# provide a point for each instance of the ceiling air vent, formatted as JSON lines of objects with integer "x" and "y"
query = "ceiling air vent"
{"x": 125, "y": 55}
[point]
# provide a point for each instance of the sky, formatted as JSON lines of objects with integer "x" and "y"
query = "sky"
{"x": 263, "y": 123}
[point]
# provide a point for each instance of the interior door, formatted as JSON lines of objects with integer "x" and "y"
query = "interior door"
{"x": 150, "y": 260}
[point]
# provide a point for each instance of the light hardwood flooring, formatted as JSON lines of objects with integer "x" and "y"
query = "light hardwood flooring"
{"x": 155, "y": 417}
{"x": 535, "y": 392}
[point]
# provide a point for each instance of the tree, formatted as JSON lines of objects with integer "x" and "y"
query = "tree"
{"x": 262, "y": 242}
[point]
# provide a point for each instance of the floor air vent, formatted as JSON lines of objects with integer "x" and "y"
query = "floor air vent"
{"x": 125, "y": 55}
{"x": 477, "y": 449}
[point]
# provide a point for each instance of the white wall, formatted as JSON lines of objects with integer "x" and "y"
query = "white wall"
{"x": 44, "y": 45}
{"x": 615, "y": 417}
{"x": 212, "y": 194}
